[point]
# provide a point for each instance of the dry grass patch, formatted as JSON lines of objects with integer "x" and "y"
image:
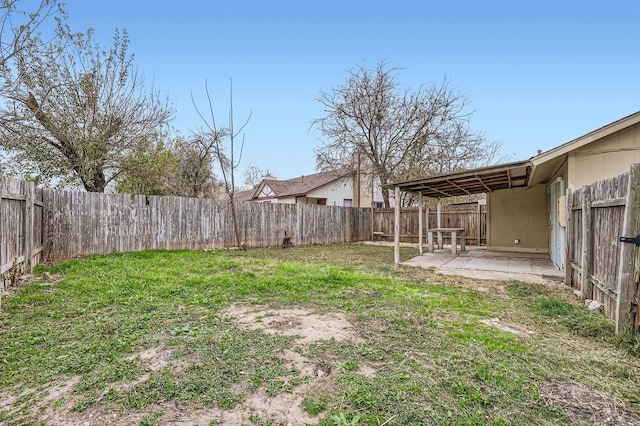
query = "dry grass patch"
{"x": 306, "y": 335}
{"x": 584, "y": 404}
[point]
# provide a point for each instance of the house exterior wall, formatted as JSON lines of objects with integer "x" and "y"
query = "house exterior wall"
{"x": 377, "y": 192}
{"x": 362, "y": 190}
{"x": 335, "y": 192}
{"x": 604, "y": 158}
{"x": 284, "y": 200}
{"x": 518, "y": 214}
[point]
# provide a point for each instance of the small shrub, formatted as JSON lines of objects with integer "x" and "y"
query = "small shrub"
{"x": 314, "y": 407}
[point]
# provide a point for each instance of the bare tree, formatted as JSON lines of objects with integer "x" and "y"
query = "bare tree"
{"x": 194, "y": 174}
{"x": 399, "y": 133}
{"x": 221, "y": 143}
{"x": 253, "y": 175}
{"x": 74, "y": 113}
{"x": 20, "y": 29}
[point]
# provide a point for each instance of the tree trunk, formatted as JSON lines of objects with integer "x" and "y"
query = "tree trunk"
{"x": 385, "y": 198}
{"x": 97, "y": 183}
{"x": 92, "y": 180}
{"x": 385, "y": 191}
{"x": 234, "y": 218}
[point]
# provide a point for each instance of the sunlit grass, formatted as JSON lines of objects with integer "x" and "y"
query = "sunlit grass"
{"x": 436, "y": 362}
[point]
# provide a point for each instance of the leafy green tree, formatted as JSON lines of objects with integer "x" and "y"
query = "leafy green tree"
{"x": 181, "y": 168}
{"x": 150, "y": 169}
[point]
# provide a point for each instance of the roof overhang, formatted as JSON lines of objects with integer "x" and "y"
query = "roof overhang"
{"x": 477, "y": 181}
{"x": 546, "y": 164}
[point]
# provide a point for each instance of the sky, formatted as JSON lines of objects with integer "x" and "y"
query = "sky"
{"x": 537, "y": 73}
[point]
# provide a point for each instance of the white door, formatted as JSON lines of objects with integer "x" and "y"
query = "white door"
{"x": 556, "y": 189}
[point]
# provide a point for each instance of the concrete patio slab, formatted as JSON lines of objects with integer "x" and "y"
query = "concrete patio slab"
{"x": 477, "y": 262}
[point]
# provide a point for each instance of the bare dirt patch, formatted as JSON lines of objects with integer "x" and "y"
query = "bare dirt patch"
{"x": 52, "y": 401}
{"x": 510, "y": 328}
{"x": 584, "y": 404}
{"x": 308, "y": 326}
{"x": 155, "y": 358}
{"x": 318, "y": 376}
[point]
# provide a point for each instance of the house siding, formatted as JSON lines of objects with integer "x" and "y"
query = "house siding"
{"x": 285, "y": 200}
{"x": 518, "y": 214}
{"x": 604, "y": 158}
{"x": 335, "y": 192}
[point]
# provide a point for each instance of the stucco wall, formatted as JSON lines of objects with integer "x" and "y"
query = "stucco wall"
{"x": 604, "y": 158}
{"x": 283, "y": 200}
{"x": 335, "y": 192}
{"x": 368, "y": 183}
{"x": 518, "y": 214}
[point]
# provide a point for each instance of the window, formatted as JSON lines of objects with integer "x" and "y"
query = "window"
{"x": 348, "y": 202}
{"x": 378, "y": 204}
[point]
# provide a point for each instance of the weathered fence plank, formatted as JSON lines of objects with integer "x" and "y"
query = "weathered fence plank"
{"x": 13, "y": 224}
{"x": 629, "y": 263}
{"x": 79, "y": 223}
{"x": 587, "y": 245}
{"x": 568, "y": 278}
{"x": 28, "y": 227}
{"x": 471, "y": 217}
{"x": 601, "y": 267}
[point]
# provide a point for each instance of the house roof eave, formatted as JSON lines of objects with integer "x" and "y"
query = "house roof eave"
{"x": 594, "y": 135}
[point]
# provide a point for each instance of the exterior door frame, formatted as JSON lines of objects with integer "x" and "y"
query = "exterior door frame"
{"x": 556, "y": 231}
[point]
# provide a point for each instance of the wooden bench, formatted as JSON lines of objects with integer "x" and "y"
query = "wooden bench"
{"x": 454, "y": 238}
{"x": 455, "y": 234}
{"x": 381, "y": 236}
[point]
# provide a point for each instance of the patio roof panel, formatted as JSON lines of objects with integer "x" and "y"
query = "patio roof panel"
{"x": 477, "y": 181}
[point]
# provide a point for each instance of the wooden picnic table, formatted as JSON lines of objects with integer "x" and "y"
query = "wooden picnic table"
{"x": 454, "y": 238}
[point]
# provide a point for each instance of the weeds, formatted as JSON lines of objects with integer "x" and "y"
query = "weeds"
{"x": 434, "y": 361}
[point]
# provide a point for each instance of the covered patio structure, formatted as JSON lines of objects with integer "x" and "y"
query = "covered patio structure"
{"x": 478, "y": 181}
{"x": 525, "y": 264}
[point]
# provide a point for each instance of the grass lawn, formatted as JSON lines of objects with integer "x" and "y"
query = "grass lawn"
{"x": 330, "y": 335}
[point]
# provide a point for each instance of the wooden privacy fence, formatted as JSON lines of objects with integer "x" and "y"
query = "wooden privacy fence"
{"x": 599, "y": 265}
{"x": 21, "y": 210}
{"x": 472, "y": 217}
{"x": 68, "y": 224}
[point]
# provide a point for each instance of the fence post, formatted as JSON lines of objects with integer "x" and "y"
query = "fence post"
{"x": 426, "y": 217}
{"x": 587, "y": 244}
{"x": 348, "y": 215}
{"x": 569, "y": 233}
{"x": 396, "y": 228}
{"x": 371, "y": 220}
{"x": 629, "y": 265}
{"x": 28, "y": 228}
{"x": 479, "y": 227}
{"x": 420, "y": 224}
{"x": 2, "y": 249}
{"x": 439, "y": 223}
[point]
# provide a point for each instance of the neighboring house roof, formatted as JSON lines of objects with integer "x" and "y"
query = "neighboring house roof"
{"x": 299, "y": 186}
{"x": 244, "y": 195}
